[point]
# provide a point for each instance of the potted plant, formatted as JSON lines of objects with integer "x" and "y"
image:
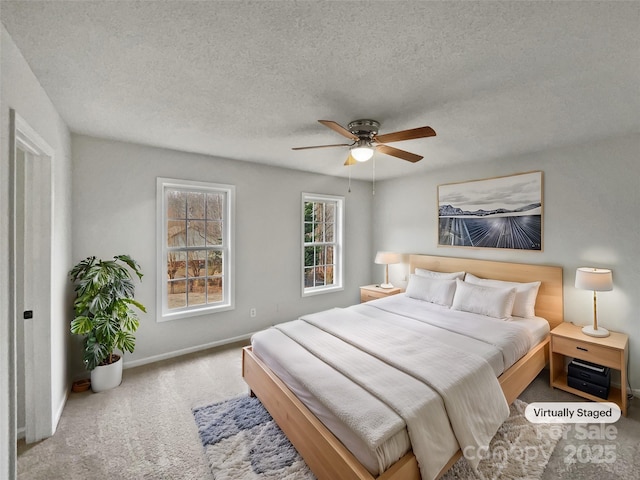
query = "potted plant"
{"x": 103, "y": 314}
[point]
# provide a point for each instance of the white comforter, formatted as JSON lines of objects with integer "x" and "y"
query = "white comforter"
{"x": 509, "y": 340}
{"x": 447, "y": 398}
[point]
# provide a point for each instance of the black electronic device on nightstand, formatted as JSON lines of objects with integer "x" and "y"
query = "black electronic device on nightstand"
{"x": 589, "y": 377}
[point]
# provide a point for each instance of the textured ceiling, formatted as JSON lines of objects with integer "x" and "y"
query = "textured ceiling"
{"x": 248, "y": 80}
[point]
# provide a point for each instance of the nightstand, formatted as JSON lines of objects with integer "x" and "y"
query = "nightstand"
{"x": 567, "y": 340}
{"x": 373, "y": 292}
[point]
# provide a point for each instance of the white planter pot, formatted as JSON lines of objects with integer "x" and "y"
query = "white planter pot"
{"x": 106, "y": 377}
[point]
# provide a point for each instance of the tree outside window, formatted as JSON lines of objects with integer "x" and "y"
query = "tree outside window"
{"x": 196, "y": 246}
{"x": 322, "y": 243}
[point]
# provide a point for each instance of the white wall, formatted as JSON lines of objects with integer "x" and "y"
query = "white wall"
{"x": 591, "y": 218}
{"x": 114, "y": 212}
{"x": 22, "y": 92}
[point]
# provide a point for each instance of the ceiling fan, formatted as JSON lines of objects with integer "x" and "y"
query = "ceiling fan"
{"x": 365, "y": 138}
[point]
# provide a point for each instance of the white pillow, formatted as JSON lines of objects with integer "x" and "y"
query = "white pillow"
{"x": 488, "y": 301}
{"x": 526, "y": 293}
{"x": 431, "y": 290}
{"x": 441, "y": 275}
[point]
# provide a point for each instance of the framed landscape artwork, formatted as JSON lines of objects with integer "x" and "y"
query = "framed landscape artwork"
{"x": 501, "y": 212}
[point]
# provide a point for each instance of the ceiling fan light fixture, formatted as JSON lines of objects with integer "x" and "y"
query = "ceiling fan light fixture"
{"x": 362, "y": 151}
{"x": 365, "y": 140}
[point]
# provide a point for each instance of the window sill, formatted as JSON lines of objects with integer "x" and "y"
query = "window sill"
{"x": 321, "y": 290}
{"x": 167, "y": 317}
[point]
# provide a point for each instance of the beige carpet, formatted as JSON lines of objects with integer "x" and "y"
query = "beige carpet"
{"x": 144, "y": 429}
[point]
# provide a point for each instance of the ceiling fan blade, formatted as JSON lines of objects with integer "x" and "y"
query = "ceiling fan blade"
{"x": 338, "y": 128}
{"x": 323, "y": 146}
{"x": 396, "y": 152}
{"x": 419, "y": 132}
{"x": 350, "y": 161}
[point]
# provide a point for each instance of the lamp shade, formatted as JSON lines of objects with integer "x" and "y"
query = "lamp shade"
{"x": 386, "y": 258}
{"x": 596, "y": 279}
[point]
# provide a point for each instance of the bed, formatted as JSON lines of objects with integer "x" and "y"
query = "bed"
{"x": 327, "y": 456}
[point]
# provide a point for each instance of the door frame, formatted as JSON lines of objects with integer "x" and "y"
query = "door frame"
{"x": 39, "y": 420}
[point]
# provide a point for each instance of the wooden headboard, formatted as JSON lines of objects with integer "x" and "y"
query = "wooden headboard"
{"x": 549, "y": 303}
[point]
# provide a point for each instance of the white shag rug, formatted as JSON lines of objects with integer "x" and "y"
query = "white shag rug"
{"x": 242, "y": 442}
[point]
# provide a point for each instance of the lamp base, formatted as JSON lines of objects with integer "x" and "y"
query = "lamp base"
{"x": 386, "y": 285}
{"x": 592, "y": 332}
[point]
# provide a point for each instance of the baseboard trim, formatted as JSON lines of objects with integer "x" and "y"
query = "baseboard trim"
{"x": 185, "y": 351}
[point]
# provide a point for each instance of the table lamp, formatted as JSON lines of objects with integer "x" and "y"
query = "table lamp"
{"x": 386, "y": 258}
{"x": 597, "y": 280}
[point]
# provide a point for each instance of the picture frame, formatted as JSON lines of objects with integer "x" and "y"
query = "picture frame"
{"x": 500, "y": 212}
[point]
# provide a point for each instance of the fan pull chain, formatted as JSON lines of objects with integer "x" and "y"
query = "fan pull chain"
{"x": 373, "y": 187}
{"x": 350, "y": 178}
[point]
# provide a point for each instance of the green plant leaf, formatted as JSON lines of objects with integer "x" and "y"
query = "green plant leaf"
{"x": 100, "y": 302}
{"x": 126, "y": 341}
{"x": 106, "y": 329}
{"x": 132, "y": 264}
{"x": 81, "y": 325}
{"x": 94, "y": 352}
{"x": 131, "y": 301}
{"x": 79, "y": 271}
{"x": 129, "y": 323}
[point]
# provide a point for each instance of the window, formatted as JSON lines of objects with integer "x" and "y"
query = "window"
{"x": 322, "y": 219}
{"x": 195, "y": 248}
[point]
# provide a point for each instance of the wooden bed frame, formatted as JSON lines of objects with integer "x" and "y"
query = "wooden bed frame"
{"x": 325, "y": 455}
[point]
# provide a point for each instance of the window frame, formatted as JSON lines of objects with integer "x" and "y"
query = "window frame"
{"x": 165, "y": 314}
{"x": 338, "y": 274}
